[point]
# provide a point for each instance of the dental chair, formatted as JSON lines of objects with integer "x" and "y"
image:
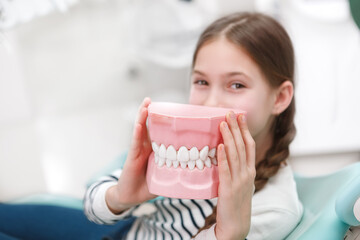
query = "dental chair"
{"x": 331, "y": 202}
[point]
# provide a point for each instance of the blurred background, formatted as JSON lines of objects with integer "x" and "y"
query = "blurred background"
{"x": 73, "y": 72}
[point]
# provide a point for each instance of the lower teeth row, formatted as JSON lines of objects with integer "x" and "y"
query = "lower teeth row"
{"x": 200, "y": 164}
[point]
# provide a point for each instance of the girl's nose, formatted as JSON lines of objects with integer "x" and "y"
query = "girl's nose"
{"x": 214, "y": 100}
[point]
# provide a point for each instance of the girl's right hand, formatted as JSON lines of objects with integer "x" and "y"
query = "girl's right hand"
{"x": 132, "y": 188}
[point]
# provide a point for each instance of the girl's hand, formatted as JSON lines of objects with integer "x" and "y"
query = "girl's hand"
{"x": 132, "y": 188}
{"x": 237, "y": 172}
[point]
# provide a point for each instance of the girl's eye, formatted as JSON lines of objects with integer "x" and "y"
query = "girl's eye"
{"x": 237, "y": 86}
{"x": 201, "y": 82}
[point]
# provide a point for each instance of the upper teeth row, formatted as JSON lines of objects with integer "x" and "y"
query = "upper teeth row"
{"x": 184, "y": 157}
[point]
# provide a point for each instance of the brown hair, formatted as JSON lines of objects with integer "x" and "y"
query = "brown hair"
{"x": 269, "y": 45}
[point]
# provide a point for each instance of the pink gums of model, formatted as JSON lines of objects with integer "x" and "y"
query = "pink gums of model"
{"x": 184, "y": 139}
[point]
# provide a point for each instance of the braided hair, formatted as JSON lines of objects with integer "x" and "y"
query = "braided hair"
{"x": 269, "y": 45}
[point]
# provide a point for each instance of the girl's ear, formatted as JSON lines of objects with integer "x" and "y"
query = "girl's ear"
{"x": 284, "y": 95}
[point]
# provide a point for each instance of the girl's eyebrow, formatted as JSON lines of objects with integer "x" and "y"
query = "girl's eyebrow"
{"x": 230, "y": 74}
{"x": 199, "y": 72}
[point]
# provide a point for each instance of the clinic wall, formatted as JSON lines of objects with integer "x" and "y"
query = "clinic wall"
{"x": 69, "y": 96}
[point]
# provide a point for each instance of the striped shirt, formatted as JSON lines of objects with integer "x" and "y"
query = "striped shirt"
{"x": 172, "y": 219}
{"x": 276, "y": 210}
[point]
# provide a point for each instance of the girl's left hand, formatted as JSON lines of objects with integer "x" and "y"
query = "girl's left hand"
{"x": 236, "y": 159}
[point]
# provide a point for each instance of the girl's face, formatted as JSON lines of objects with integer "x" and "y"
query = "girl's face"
{"x": 225, "y": 76}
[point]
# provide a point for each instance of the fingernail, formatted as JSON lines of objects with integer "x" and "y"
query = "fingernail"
{"x": 232, "y": 115}
{"x": 221, "y": 147}
{"x": 225, "y": 125}
{"x": 243, "y": 118}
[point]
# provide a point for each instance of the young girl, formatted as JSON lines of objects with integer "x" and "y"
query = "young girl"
{"x": 245, "y": 61}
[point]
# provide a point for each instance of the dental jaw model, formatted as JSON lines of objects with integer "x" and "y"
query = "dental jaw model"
{"x": 184, "y": 139}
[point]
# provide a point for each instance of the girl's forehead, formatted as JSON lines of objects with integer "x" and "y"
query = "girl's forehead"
{"x": 223, "y": 58}
{"x": 223, "y": 55}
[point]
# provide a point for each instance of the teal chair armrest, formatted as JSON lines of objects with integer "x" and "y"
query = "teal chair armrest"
{"x": 345, "y": 203}
{"x": 319, "y": 196}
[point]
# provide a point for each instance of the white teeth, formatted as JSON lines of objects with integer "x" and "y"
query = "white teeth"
{"x": 168, "y": 163}
{"x": 176, "y": 164}
{"x": 208, "y": 162}
{"x": 162, "y": 151}
{"x": 171, "y": 153}
{"x": 204, "y": 153}
{"x": 194, "y": 154}
{"x": 155, "y": 148}
{"x": 183, "y": 154}
{"x": 184, "y": 157}
{"x": 161, "y": 162}
{"x": 212, "y": 153}
{"x": 183, "y": 165}
{"x": 191, "y": 165}
{"x": 200, "y": 164}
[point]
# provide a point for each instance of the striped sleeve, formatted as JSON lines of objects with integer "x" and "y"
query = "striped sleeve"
{"x": 95, "y": 206}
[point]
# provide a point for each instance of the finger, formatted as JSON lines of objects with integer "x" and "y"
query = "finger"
{"x": 239, "y": 142}
{"x": 141, "y": 117}
{"x": 224, "y": 169}
{"x": 136, "y": 141}
{"x": 230, "y": 148}
{"x": 143, "y": 114}
{"x": 139, "y": 126}
{"x": 249, "y": 141}
{"x": 142, "y": 120}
